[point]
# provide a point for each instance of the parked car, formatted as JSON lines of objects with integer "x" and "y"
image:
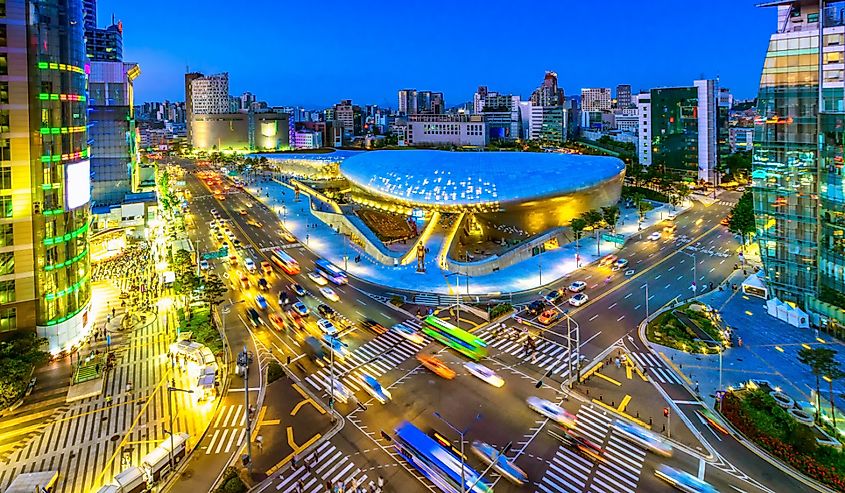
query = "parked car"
{"x": 536, "y": 307}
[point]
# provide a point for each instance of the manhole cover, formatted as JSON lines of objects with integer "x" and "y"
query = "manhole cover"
{"x": 187, "y": 474}
{"x": 114, "y": 438}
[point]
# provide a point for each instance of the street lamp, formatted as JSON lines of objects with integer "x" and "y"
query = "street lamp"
{"x": 646, "y": 300}
{"x": 170, "y": 389}
{"x": 244, "y": 360}
{"x": 460, "y": 433}
{"x": 331, "y": 376}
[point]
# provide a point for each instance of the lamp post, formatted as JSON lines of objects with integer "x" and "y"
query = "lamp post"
{"x": 331, "y": 376}
{"x": 244, "y": 360}
{"x": 170, "y": 389}
{"x": 460, "y": 433}
{"x": 646, "y": 301}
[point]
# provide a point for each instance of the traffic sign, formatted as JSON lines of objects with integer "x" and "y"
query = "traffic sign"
{"x": 615, "y": 239}
{"x": 223, "y": 252}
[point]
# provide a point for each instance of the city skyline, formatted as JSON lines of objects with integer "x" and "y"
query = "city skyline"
{"x": 373, "y": 72}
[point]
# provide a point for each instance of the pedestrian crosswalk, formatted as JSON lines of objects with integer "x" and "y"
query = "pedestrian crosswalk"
{"x": 548, "y": 355}
{"x": 377, "y": 357}
{"x": 656, "y": 369}
{"x": 327, "y": 465}
{"x": 228, "y": 428}
{"x": 617, "y": 472}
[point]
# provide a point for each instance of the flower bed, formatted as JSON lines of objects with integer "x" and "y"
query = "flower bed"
{"x": 667, "y": 330}
{"x": 756, "y": 414}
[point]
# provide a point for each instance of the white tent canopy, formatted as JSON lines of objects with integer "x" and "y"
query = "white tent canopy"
{"x": 792, "y": 315}
{"x": 754, "y": 286}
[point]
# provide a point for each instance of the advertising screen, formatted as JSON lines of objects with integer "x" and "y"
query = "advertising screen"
{"x": 78, "y": 184}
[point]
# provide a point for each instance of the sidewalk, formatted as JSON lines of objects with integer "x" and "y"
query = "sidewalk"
{"x": 530, "y": 274}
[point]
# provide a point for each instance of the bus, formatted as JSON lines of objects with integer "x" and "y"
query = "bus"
{"x": 285, "y": 261}
{"x": 436, "y": 463}
{"x": 330, "y": 272}
{"x": 455, "y": 337}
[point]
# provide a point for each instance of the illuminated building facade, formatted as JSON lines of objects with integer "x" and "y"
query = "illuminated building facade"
{"x": 45, "y": 185}
{"x": 798, "y": 185}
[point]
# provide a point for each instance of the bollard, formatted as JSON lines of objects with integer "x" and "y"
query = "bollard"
{"x": 613, "y": 403}
{"x": 588, "y": 392}
{"x": 288, "y": 360}
{"x": 638, "y": 415}
{"x": 664, "y": 427}
{"x": 601, "y": 397}
{"x": 649, "y": 422}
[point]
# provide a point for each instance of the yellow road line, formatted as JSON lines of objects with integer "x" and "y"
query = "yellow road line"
{"x": 675, "y": 367}
{"x": 307, "y": 400}
{"x": 624, "y": 415}
{"x": 624, "y": 403}
{"x": 592, "y": 370}
{"x": 270, "y": 422}
{"x": 628, "y": 372}
{"x": 296, "y": 450}
{"x": 616, "y": 382}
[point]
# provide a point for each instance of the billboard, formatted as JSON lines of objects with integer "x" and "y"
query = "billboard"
{"x": 77, "y": 184}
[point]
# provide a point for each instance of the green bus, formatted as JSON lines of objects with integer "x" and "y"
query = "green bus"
{"x": 455, "y": 337}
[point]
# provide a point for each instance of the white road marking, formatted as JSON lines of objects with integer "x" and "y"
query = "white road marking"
{"x": 593, "y": 318}
{"x": 628, "y": 295}
{"x": 620, "y": 318}
{"x": 611, "y": 306}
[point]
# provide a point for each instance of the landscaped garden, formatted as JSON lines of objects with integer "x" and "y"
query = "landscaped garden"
{"x": 766, "y": 422}
{"x": 689, "y": 327}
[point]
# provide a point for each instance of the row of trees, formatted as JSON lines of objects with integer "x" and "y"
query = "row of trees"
{"x": 655, "y": 178}
{"x": 212, "y": 288}
{"x": 741, "y": 220}
{"x": 595, "y": 220}
{"x": 823, "y": 365}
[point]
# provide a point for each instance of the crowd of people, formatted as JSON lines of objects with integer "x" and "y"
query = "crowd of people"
{"x": 133, "y": 272}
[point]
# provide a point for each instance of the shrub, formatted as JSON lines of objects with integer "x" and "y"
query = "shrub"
{"x": 396, "y": 300}
{"x": 500, "y": 309}
{"x": 274, "y": 371}
{"x": 231, "y": 482}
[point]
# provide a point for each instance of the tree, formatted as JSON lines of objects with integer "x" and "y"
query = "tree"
{"x": 642, "y": 205}
{"x": 820, "y": 360}
{"x": 610, "y": 215}
{"x": 19, "y": 354}
{"x": 577, "y": 225}
{"x": 214, "y": 290}
{"x": 635, "y": 172}
{"x": 742, "y": 217}
{"x": 832, "y": 372}
{"x": 594, "y": 219}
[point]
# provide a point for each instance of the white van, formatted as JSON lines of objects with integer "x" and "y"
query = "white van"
{"x": 249, "y": 264}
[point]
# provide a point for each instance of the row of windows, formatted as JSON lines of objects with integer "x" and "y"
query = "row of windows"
{"x": 8, "y": 319}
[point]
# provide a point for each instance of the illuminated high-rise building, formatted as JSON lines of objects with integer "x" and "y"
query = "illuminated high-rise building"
{"x": 45, "y": 184}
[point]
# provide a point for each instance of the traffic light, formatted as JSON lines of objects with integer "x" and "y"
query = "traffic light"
{"x": 666, "y": 412}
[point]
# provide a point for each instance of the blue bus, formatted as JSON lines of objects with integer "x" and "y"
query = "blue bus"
{"x": 330, "y": 272}
{"x": 436, "y": 463}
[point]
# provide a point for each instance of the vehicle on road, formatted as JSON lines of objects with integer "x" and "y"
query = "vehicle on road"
{"x": 330, "y": 272}
{"x": 284, "y": 299}
{"x": 571, "y": 439}
{"x": 317, "y": 278}
{"x": 262, "y": 284}
{"x": 501, "y": 464}
{"x": 249, "y": 264}
{"x": 298, "y": 289}
{"x": 339, "y": 391}
{"x": 578, "y": 299}
{"x": 329, "y": 294}
{"x": 620, "y": 264}
{"x": 555, "y": 296}
{"x": 577, "y": 286}
{"x": 672, "y": 216}
{"x": 436, "y": 365}
{"x": 285, "y": 262}
{"x": 325, "y": 311}
{"x": 244, "y": 279}
{"x": 654, "y": 236}
{"x": 374, "y": 326}
{"x": 253, "y": 223}
{"x": 725, "y": 220}
{"x": 682, "y": 480}
{"x": 253, "y": 316}
{"x": 266, "y": 268}
{"x": 261, "y": 302}
{"x": 436, "y": 462}
{"x": 233, "y": 259}
{"x": 670, "y": 229}
{"x": 300, "y": 308}
{"x": 242, "y": 212}
{"x": 276, "y": 321}
{"x": 549, "y": 316}
{"x": 335, "y": 346}
{"x": 374, "y": 388}
{"x": 288, "y": 237}
{"x": 642, "y": 437}
{"x": 456, "y": 338}
{"x": 740, "y": 189}
{"x": 551, "y": 411}
{"x": 204, "y": 264}
{"x": 313, "y": 348}
{"x": 608, "y": 260}
{"x": 409, "y": 333}
{"x": 327, "y": 326}
{"x": 536, "y": 307}
{"x": 485, "y": 374}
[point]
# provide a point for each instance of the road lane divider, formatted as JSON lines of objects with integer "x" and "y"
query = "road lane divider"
{"x": 621, "y": 413}
{"x": 675, "y": 368}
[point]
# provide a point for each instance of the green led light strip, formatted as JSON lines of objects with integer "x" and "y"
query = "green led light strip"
{"x": 68, "y": 290}
{"x": 64, "y": 157}
{"x": 66, "y": 263}
{"x": 66, "y": 317}
{"x": 62, "y": 130}
{"x": 66, "y": 237}
{"x": 60, "y": 66}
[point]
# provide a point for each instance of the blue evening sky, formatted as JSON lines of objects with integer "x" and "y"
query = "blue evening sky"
{"x": 314, "y": 53}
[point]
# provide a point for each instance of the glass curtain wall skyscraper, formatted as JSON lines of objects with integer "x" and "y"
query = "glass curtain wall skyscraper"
{"x": 799, "y": 155}
{"x": 44, "y": 171}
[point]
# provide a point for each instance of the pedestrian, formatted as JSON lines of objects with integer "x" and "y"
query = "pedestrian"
{"x": 616, "y": 362}
{"x": 112, "y": 311}
{"x": 380, "y": 483}
{"x": 97, "y": 368}
{"x": 259, "y": 440}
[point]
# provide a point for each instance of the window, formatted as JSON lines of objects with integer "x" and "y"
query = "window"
{"x": 7, "y": 291}
{"x": 814, "y": 17}
{"x": 4, "y": 121}
{"x": 4, "y": 93}
{"x": 5, "y": 150}
{"x": 4, "y": 65}
{"x": 8, "y": 319}
{"x": 7, "y": 236}
{"x": 5, "y": 177}
{"x": 7, "y": 263}
{"x": 6, "y": 206}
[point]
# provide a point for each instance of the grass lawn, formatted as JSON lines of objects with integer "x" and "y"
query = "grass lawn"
{"x": 203, "y": 331}
{"x": 667, "y": 330}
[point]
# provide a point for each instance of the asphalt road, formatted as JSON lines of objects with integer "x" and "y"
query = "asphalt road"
{"x": 611, "y": 315}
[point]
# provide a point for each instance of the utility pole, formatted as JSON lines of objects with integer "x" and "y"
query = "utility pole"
{"x": 244, "y": 360}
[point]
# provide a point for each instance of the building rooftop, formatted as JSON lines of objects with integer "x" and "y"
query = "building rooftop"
{"x": 429, "y": 177}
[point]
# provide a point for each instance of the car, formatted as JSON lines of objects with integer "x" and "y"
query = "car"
{"x": 236, "y": 243}
{"x": 725, "y": 220}
{"x": 670, "y": 229}
{"x": 644, "y": 438}
{"x": 244, "y": 279}
{"x": 409, "y": 333}
{"x": 300, "y": 308}
{"x": 572, "y": 439}
{"x": 317, "y": 278}
{"x": 242, "y": 212}
{"x": 261, "y": 302}
{"x": 276, "y": 321}
{"x": 326, "y": 311}
{"x": 204, "y": 264}
{"x": 329, "y": 294}
{"x": 672, "y": 216}
{"x": 577, "y": 286}
{"x": 337, "y": 348}
{"x": 215, "y": 213}
{"x": 551, "y": 411}
{"x": 485, "y": 374}
{"x": 536, "y": 307}
{"x": 253, "y": 316}
{"x": 298, "y": 289}
{"x": 266, "y": 268}
{"x": 654, "y": 236}
{"x": 249, "y": 264}
{"x": 339, "y": 391}
{"x": 500, "y": 462}
{"x": 220, "y": 238}
{"x": 295, "y": 319}
{"x": 327, "y": 326}
{"x": 284, "y": 299}
{"x": 554, "y": 296}
{"x": 253, "y": 223}
{"x": 374, "y": 388}
{"x": 578, "y": 299}
{"x": 262, "y": 284}
{"x": 436, "y": 365}
{"x": 608, "y": 260}
{"x": 549, "y": 316}
{"x": 682, "y": 480}
{"x": 620, "y": 264}
{"x": 374, "y": 326}
{"x": 288, "y": 237}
